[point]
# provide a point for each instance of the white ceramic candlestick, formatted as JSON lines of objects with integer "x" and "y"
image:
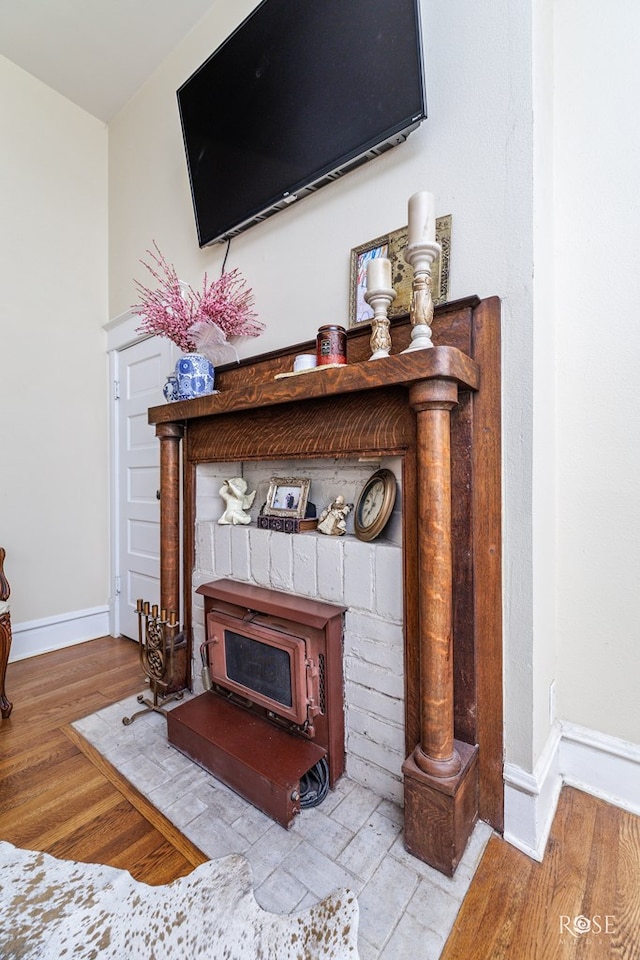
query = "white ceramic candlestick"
{"x": 378, "y": 273}
{"x": 422, "y": 218}
{"x": 380, "y": 301}
{"x": 420, "y": 256}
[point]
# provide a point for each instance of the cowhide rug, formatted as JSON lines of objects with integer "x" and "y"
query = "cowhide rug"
{"x": 62, "y": 910}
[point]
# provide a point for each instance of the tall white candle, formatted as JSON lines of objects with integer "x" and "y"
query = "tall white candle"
{"x": 422, "y": 218}
{"x": 378, "y": 274}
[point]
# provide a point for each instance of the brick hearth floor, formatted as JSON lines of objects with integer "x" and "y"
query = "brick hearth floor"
{"x": 352, "y": 839}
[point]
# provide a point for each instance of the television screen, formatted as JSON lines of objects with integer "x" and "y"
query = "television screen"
{"x": 301, "y": 92}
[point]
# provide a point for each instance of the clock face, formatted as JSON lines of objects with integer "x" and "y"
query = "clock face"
{"x": 375, "y": 505}
{"x": 371, "y": 504}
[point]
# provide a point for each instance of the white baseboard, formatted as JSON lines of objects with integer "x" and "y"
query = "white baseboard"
{"x": 601, "y": 765}
{"x": 596, "y": 763}
{"x": 530, "y": 799}
{"x": 34, "y": 637}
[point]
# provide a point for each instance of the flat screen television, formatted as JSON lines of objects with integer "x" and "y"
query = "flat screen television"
{"x": 300, "y": 93}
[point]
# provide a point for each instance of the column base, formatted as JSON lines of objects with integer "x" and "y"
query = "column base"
{"x": 440, "y": 813}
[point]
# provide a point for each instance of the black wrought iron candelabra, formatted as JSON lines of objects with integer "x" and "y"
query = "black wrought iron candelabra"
{"x": 158, "y": 636}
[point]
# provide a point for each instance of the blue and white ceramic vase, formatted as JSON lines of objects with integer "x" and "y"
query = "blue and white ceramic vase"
{"x": 195, "y": 374}
{"x": 170, "y": 389}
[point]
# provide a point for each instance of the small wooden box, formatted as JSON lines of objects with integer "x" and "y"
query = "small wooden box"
{"x": 287, "y": 524}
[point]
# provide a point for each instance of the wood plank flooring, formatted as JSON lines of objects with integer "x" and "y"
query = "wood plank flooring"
{"x": 523, "y": 910}
{"x": 58, "y": 795}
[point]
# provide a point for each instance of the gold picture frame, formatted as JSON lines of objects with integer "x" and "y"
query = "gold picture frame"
{"x": 392, "y": 246}
{"x": 287, "y": 497}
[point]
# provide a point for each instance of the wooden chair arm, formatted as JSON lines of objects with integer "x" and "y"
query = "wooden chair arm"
{"x": 5, "y": 589}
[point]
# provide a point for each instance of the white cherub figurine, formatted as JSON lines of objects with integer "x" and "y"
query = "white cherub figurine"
{"x": 234, "y": 493}
{"x": 333, "y": 519}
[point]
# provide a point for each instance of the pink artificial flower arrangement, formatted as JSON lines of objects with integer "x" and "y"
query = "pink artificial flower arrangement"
{"x": 203, "y": 321}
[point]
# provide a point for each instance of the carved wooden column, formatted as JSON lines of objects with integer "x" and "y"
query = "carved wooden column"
{"x": 440, "y": 775}
{"x": 170, "y": 435}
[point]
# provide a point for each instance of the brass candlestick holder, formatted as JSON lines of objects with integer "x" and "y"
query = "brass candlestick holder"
{"x": 158, "y": 635}
{"x": 421, "y": 256}
{"x": 380, "y": 301}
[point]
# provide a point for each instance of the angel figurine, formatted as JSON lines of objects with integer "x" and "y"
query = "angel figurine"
{"x": 333, "y": 519}
{"x": 237, "y": 500}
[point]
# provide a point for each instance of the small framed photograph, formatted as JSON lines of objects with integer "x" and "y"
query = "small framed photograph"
{"x": 287, "y": 497}
{"x": 392, "y": 246}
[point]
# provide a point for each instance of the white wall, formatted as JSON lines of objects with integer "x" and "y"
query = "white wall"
{"x": 543, "y": 463}
{"x": 598, "y": 344}
{"x": 586, "y": 450}
{"x": 53, "y": 301}
{"x": 474, "y": 152}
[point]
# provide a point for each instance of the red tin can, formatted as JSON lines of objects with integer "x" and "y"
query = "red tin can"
{"x": 331, "y": 345}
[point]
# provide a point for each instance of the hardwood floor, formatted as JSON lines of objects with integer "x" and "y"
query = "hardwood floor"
{"x": 582, "y": 902}
{"x": 58, "y": 795}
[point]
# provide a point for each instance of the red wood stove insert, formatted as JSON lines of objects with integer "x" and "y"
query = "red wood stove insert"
{"x": 276, "y": 705}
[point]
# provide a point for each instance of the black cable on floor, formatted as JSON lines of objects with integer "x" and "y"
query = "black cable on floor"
{"x": 314, "y": 785}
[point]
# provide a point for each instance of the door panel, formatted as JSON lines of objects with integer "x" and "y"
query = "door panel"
{"x": 143, "y": 369}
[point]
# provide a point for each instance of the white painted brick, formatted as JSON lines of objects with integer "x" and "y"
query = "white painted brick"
{"x": 198, "y": 637}
{"x": 386, "y": 655}
{"x": 381, "y": 782}
{"x": 199, "y": 577}
{"x": 208, "y": 508}
{"x": 373, "y": 628}
{"x": 330, "y": 567}
{"x": 216, "y": 472}
{"x": 373, "y": 677}
{"x": 259, "y": 547}
{"x": 377, "y": 729}
{"x": 198, "y": 634}
{"x": 388, "y": 588}
{"x": 222, "y": 550}
{"x": 358, "y": 574}
{"x": 305, "y": 565}
{"x": 281, "y": 561}
{"x": 206, "y": 484}
{"x": 204, "y": 546}
{"x": 393, "y": 530}
{"x": 389, "y": 708}
{"x": 376, "y": 753}
{"x": 209, "y": 477}
{"x": 240, "y": 565}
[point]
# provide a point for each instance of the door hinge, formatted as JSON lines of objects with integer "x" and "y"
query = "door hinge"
{"x": 116, "y": 389}
{"x": 117, "y": 586}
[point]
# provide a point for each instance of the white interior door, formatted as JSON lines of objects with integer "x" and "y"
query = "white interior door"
{"x": 142, "y": 371}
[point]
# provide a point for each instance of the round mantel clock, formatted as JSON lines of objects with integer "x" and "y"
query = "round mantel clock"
{"x": 374, "y": 505}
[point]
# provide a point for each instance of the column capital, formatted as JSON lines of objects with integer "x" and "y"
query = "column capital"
{"x": 437, "y": 393}
{"x": 170, "y": 431}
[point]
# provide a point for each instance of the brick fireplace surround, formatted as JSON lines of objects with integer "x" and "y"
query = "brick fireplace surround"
{"x": 434, "y": 415}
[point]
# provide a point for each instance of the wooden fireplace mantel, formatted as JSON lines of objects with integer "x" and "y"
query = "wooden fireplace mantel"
{"x": 441, "y": 363}
{"x": 439, "y": 410}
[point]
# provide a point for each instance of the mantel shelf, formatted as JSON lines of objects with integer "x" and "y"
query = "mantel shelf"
{"x": 444, "y": 362}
